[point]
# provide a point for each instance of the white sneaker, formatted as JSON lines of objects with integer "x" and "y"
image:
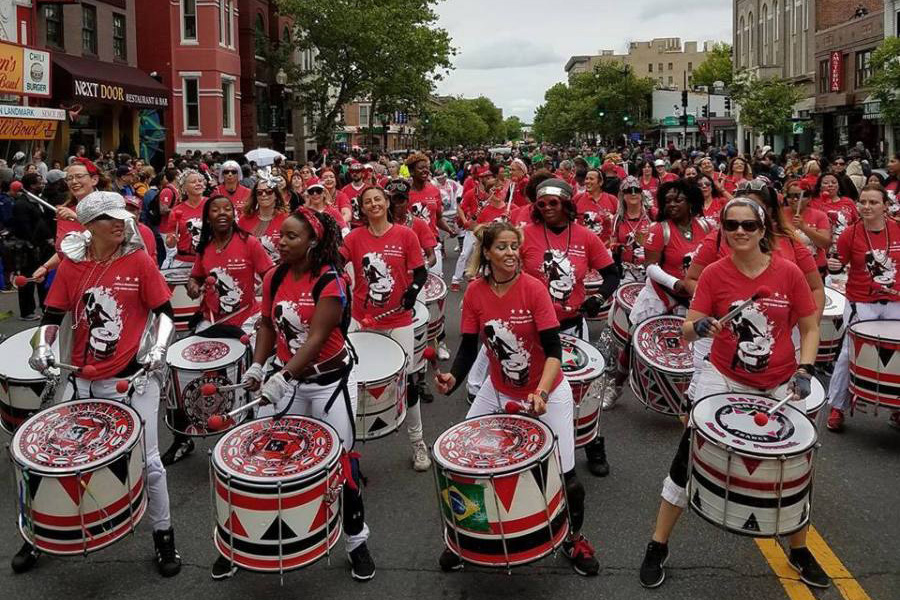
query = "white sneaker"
{"x": 610, "y": 396}
{"x": 421, "y": 462}
{"x": 442, "y": 351}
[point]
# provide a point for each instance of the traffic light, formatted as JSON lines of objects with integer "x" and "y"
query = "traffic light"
{"x": 601, "y": 113}
{"x": 683, "y": 120}
{"x": 626, "y": 118}
{"x": 705, "y": 111}
{"x": 684, "y": 98}
{"x": 727, "y": 103}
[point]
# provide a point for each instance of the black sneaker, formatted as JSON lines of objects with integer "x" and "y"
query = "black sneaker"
{"x": 25, "y": 558}
{"x": 450, "y": 561}
{"x": 652, "y": 571}
{"x": 596, "y": 455}
{"x": 363, "y": 568}
{"x": 805, "y": 563}
{"x": 168, "y": 561}
{"x": 581, "y": 553}
{"x": 179, "y": 449}
{"x": 223, "y": 569}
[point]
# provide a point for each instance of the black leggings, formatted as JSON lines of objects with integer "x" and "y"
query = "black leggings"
{"x": 575, "y": 498}
{"x": 354, "y": 511}
{"x": 678, "y": 471}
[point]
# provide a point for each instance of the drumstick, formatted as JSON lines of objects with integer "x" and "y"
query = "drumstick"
{"x": 32, "y": 197}
{"x": 20, "y": 280}
{"x": 763, "y": 292}
{"x": 210, "y": 389}
{"x": 217, "y": 422}
{"x": 89, "y": 371}
{"x": 762, "y": 418}
{"x": 369, "y": 322}
{"x": 123, "y": 384}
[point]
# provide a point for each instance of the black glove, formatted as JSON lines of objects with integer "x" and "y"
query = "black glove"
{"x": 703, "y": 326}
{"x": 801, "y": 384}
{"x": 409, "y": 297}
{"x": 591, "y": 306}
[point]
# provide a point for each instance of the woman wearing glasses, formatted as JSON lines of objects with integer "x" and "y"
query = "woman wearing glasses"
{"x": 630, "y": 228}
{"x": 338, "y": 199}
{"x": 263, "y": 215}
{"x": 809, "y": 226}
{"x": 314, "y": 198}
{"x": 187, "y": 218}
{"x": 231, "y": 187}
{"x": 714, "y": 198}
{"x": 749, "y": 234}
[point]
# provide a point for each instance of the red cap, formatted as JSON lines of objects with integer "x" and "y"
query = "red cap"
{"x": 134, "y": 201}
{"x": 483, "y": 172}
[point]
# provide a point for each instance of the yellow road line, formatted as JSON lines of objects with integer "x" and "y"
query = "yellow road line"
{"x": 778, "y": 561}
{"x": 846, "y": 584}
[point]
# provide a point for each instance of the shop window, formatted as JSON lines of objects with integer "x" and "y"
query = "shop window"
{"x": 364, "y": 115}
{"x": 261, "y": 39}
{"x": 189, "y": 20}
{"x": 262, "y": 109}
{"x": 191, "y": 91}
{"x": 227, "y": 105}
{"x": 120, "y": 47}
{"x": 823, "y": 76}
{"x": 863, "y": 68}
{"x": 53, "y": 17}
{"x": 89, "y": 29}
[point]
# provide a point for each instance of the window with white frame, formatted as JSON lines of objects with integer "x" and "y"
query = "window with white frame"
{"x": 189, "y": 20}
{"x": 120, "y": 45}
{"x": 364, "y": 115}
{"x": 227, "y": 104}
{"x": 229, "y": 23}
{"x": 190, "y": 89}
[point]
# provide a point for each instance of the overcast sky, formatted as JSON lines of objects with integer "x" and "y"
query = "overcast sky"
{"x": 512, "y": 51}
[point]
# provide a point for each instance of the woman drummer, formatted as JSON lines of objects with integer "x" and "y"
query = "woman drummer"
{"x": 753, "y": 353}
{"x": 809, "y": 226}
{"x": 630, "y": 228}
{"x": 186, "y": 218}
{"x": 516, "y": 319}
{"x": 111, "y": 286}
{"x": 264, "y": 213}
{"x": 871, "y": 251}
{"x": 389, "y": 271}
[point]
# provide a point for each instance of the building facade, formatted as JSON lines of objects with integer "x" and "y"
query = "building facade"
{"x": 364, "y": 130}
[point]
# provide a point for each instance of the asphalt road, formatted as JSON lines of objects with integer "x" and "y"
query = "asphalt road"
{"x": 856, "y": 502}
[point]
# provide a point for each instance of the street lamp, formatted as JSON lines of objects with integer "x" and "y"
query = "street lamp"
{"x": 277, "y": 130}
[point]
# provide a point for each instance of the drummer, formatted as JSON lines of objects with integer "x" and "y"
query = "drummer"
{"x": 515, "y": 317}
{"x": 110, "y": 286}
{"x": 389, "y": 271}
{"x": 264, "y": 212}
{"x": 871, "y": 251}
{"x": 186, "y": 219}
{"x": 630, "y": 228}
{"x": 304, "y": 319}
{"x": 810, "y": 226}
{"x": 751, "y": 354}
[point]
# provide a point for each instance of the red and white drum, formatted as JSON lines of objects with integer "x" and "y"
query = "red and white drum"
{"x": 194, "y": 362}
{"x": 592, "y": 282}
{"x": 381, "y": 377}
{"x": 420, "y": 335}
{"x": 751, "y": 479}
{"x": 662, "y": 365}
{"x": 183, "y": 305}
{"x": 832, "y": 326}
{"x": 500, "y": 489}
{"x": 22, "y": 389}
{"x": 816, "y": 400}
{"x": 875, "y": 362}
{"x": 434, "y": 294}
{"x": 583, "y": 366}
{"x": 277, "y": 493}
{"x": 79, "y": 469}
{"x": 619, "y": 314}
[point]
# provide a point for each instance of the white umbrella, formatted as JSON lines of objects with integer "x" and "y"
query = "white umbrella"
{"x": 263, "y": 157}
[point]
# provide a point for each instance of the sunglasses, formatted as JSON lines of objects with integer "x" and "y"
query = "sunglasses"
{"x": 632, "y": 190}
{"x": 793, "y": 196}
{"x": 755, "y": 185}
{"x": 705, "y": 184}
{"x": 548, "y": 203}
{"x": 732, "y": 225}
{"x": 315, "y": 191}
{"x": 265, "y": 192}
{"x": 229, "y": 172}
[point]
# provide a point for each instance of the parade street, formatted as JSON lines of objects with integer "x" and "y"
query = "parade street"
{"x": 855, "y": 501}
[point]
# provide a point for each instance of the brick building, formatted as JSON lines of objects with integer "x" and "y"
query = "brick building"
{"x": 365, "y": 130}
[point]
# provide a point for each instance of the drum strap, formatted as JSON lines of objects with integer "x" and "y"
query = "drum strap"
{"x": 345, "y": 391}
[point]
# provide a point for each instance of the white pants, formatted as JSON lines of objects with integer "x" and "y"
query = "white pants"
{"x": 438, "y": 268}
{"x": 559, "y": 415}
{"x": 840, "y": 380}
{"x": 648, "y": 304}
{"x": 146, "y": 404}
{"x": 463, "y": 258}
{"x": 169, "y": 260}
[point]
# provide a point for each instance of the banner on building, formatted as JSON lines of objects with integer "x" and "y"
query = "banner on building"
{"x": 837, "y": 71}
{"x": 24, "y": 71}
{"x": 28, "y": 129}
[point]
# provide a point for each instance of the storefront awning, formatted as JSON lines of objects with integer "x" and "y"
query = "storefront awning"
{"x": 85, "y": 80}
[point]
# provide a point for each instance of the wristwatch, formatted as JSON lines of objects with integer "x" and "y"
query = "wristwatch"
{"x": 288, "y": 376}
{"x": 809, "y": 368}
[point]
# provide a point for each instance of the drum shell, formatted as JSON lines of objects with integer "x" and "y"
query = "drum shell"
{"x": 620, "y": 313}
{"x": 19, "y": 401}
{"x": 661, "y": 388}
{"x": 183, "y": 305}
{"x": 875, "y": 362}
{"x": 434, "y": 295}
{"x": 832, "y": 326}
{"x": 381, "y": 406}
{"x": 420, "y": 335}
{"x": 582, "y": 377}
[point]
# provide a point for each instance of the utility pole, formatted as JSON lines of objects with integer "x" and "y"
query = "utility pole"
{"x": 684, "y": 105}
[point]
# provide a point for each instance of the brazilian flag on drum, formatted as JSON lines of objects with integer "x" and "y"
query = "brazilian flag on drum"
{"x": 464, "y": 503}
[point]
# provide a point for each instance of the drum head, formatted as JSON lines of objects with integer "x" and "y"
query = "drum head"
{"x": 269, "y": 451}
{"x": 14, "y": 354}
{"x": 493, "y": 444}
{"x": 658, "y": 342}
{"x": 177, "y": 276}
{"x": 435, "y": 289}
{"x": 204, "y": 354}
{"x": 627, "y": 294}
{"x": 580, "y": 360}
{"x": 380, "y": 357}
{"x": 78, "y": 435}
{"x": 592, "y": 281}
{"x": 835, "y": 302}
{"x": 420, "y": 315}
{"x": 883, "y": 329}
{"x": 728, "y": 419}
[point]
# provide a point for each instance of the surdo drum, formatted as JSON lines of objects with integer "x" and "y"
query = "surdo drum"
{"x": 194, "y": 362}
{"x": 183, "y": 305}
{"x": 875, "y": 362}
{"x": 434, "y": 294}
{"x": 583, "y": 365}
{"x": 79, "y": 472}
{"x": 500, "y": 490}
{"x": 277, "y": 493}
{"x": 592, "y": 283}
{"x": 751, "y": 479}
{"x": 662, "y": 365}
{"x": 619, "y": 314}
{"x": 832, "y": 326}
{"x": 420, "y": 335}
{"x": 381, "y": 377}
{"x": 22, "y": 389}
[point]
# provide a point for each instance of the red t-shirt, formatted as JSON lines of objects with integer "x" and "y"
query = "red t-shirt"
{"x": 669, "y": 177}
{"x": 678, "y": 254}
{"x": 631, "y": 234}
{"x": 561, "y": 261}
{"x": 422, "y": 231}
{"x": 841, "y": 212}
{"x": 270, "y": 236}
{"x": 650, "y": 186}
{"x": 186, "y": 222}
{"x": 427, "y": 204}
{"x": 712, "y": 212}
{"x": 381, "y": 272}
{"x": 713, "y": 247}
{"x": 235, "y": 270}
{"x": 872, "y": 268}
{"x": 597, "y": 215}
{"x": 149, "y": 240}
{"x": 490, "y": 213}
{"x": 238, "y": 197}
{"x": 510, "y": 327}
{"x": 755, "y": 348}
{"x": 816, "y": 219}
{"x": 292, "y": 312}
{"x": 471, "y": 202}
{"x": 168, "y": 196}
{"x": 63, "y": 228}
{"x": 518, "y": 192}
{"x": 521, "y": 217}
{"x": 110, "y": 305}
{"x": 348, "y": 197}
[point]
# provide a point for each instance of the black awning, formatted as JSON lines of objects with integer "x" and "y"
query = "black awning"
{"x": 85, "y": 80}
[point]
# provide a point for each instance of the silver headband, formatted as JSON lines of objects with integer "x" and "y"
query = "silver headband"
{"x": 745, "y": 202}
{"x": 554, "y": 191}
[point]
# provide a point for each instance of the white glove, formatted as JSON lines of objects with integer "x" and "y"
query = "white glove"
{"x": 278, "y": 391}
{"x": 42, "y": 359}
{"x": 155, "y": 359}
{"x": 254, "y": 376}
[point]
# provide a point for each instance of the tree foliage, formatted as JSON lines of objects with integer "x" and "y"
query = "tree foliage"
{"x": 766, "y": 105}
{"x": 717, "y": 66}
{"x": 886, "y": 80}
{"x": 513, "y": 126}
{"x": 609, "y": 101}
{"x": 390, "y": 53}
{"x": 465, "y": 122}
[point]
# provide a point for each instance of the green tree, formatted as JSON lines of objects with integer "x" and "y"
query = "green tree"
{"x": 886, "y": 80}
{"x": 513, "y": 128}
{"x": 553, "y": 121}
{"x": 717, "y": 66}
{"x": 456, "y": 123}
{"x": 766, "y": 105}
{"x": 492, "y": 117}
{"x": 391, "y": 53}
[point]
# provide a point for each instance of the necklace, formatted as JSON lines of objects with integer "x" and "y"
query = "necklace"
{"x": 376, "y": 234}
{"x": 496, "y": 283}
{"x": 568, "y": 238}
{"x": 220, "y": 248}
{"x": 108, "y": 262}
{"x": 686, "y": 232}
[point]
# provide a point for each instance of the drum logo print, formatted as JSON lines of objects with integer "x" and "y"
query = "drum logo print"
{"x": 594, "y": 222}
{"x": 290, "y": 325}
{"x": 199, "y": 407}
{"x": 228, "y": 291}
{"x": 465, "y": 504}
{"x": 207, "y": 351}
{"x": 736, "y": 419}
{"x": 269, "y": 246}
{"x": 559, "y": 273}
{"x": 419, "y": 209}
{"x": 881, "y": 267}
{"x": 104, "y": 321}
{"x": 573, "y": 358}
{"x": 753, "y": 331}
{"x": 193, "y": 228}
{"x": 514, "y": 359}
{"x": 378, "y": 277}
